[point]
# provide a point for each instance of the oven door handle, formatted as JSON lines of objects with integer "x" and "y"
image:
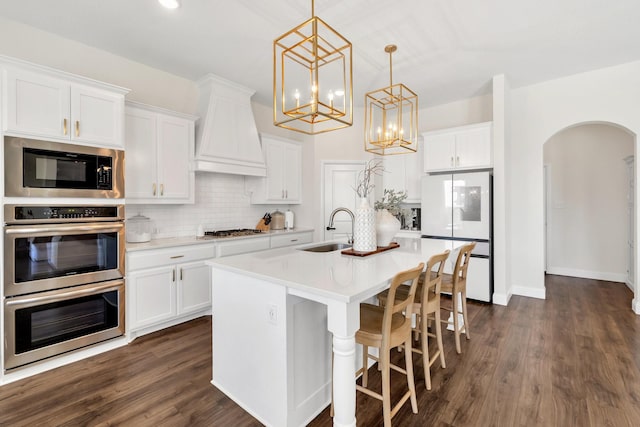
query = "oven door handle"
{"x": 55, "y": 296}
{"x": 64, "y": 228}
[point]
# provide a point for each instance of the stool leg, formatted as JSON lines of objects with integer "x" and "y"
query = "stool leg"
{"x": 386, "y": 387}
{"x": 365, "y": 362}
{"x": 425, "y": 357}
{"x": 439, "y": 338}
{"x": 456, "y": 325}
{"x": 408, "y": 360}
{"x": 464, "y": 315}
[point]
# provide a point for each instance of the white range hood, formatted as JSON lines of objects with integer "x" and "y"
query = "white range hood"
{"x": 227, "y": 139}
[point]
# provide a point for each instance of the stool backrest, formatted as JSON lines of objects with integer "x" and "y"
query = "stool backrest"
{"x": 462, "y": 263}
{"x": 405, "y": 305}
{"x": 432, "y": 282}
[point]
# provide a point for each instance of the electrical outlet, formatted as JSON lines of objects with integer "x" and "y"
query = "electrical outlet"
{"x": 272, "y": 313}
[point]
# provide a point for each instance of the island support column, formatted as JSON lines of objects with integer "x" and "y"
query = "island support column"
{"x": 343, "y": 321}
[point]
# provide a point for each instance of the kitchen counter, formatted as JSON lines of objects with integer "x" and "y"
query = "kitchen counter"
{"x": 288, "y": 306}
{"x": 192, "y": 240}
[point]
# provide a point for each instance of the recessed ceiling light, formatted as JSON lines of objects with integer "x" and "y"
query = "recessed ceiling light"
{"x": 170, "y": 4}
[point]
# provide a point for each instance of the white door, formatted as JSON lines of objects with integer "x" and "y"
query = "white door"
{"x": 292, "y": 181}
{"x": 339, "y": 181}
{"x": 141, "y": 162}
{"x": 194, "y": 289}
{"x": 471, "y": 205}
{"x": 173, "y": 158}
{"x": 274, "y": 156}
{"x": 96, "y": 117}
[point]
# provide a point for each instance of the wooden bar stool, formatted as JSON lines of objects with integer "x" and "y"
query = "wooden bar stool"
{"x": 386, "y": 328}
{"x": 456, "y": 284}
{"x": 426, "y": 305}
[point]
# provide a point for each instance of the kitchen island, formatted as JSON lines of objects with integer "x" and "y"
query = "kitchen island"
{"x": 278, "y": 314}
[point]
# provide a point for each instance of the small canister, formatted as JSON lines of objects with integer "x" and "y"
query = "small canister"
{"x": 138, "y": 229}
{"x": 277, "y": 220}
{"x": 288, "y": 220}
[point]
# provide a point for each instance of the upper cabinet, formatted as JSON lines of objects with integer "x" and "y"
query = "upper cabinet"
{"x": 160, "y": 146}
{"x": 465, "y": 147}
{"x": 65, "y": 108}
{"x": 283, "y": 183}
{"x": 403, "y": 172}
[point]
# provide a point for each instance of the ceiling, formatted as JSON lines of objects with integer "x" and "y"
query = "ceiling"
{"x": 447, "y": 49}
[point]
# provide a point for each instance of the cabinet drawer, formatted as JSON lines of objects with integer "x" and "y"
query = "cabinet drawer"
{"x": 160, "y": 257}
{"x": 289, "y": 239}
{"x": 242, "y": 246}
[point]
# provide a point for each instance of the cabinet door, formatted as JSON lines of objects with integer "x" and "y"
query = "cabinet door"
{"x": 274, "y": 156}
{"x": 393, "y": 177}
{"x": 96, "y": 117}
{"x": 141, "y": 161}
{"x": 194, "y": 289}
{"x": 439, "y": 152}
{"x": 473, "y": 148}
{"x": 413, "y": 172}
{"x": 292, "y": 179}
{"x": 173, "y": 157}
{"x": 37, "y": 105}
{"x": 152, "y": 296}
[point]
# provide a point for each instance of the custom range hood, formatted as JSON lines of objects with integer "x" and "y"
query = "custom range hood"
{"x": 227, "y": 139}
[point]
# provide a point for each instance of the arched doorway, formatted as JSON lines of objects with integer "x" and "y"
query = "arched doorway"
{"x": 588, "y": 214}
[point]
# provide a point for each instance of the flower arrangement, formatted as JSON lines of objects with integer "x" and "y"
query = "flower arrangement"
{"x": 391, "y": 201}
{"x": 365, "y": 177}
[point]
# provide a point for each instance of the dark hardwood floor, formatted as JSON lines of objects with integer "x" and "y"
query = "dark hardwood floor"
{"x": 570, "y": 360}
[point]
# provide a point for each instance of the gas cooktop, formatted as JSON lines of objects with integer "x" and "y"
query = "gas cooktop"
{"x": 231, "y": 233}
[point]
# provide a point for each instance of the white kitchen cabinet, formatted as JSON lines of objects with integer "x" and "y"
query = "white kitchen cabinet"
{"x": 47, "y": 106}
{"x": 291, "y": 238}
{"x": 160, "y": 147}
{"x": 283, "y": 183}
{"x": 167, "y": 286}
{"x": 403, "y": 172}
{"x": 465, "y": 147}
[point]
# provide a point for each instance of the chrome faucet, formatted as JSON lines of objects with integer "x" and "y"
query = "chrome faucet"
{"x": 333, "y": 214}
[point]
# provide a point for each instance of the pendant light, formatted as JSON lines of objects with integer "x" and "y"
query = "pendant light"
{"x": 312, "y": 78}
{"x": 391, "y": 117}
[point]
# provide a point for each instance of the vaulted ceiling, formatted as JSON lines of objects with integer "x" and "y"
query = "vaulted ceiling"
{"x": 447, "y": 49}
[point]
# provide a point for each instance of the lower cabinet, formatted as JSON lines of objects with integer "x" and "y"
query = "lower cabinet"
{"x": 291, "y": 239}
{"x": 167, "y": 286}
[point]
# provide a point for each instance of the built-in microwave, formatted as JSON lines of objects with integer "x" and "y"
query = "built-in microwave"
{"x": 50, "y": 169}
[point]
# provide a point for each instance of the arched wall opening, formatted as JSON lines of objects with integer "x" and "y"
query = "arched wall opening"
{"x": 588, "y": 202}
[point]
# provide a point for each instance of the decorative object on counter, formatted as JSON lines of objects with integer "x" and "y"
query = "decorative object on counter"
{"x": 364, "y": 228}
{"x": 263, "y": 224}
{"x": 378, "y": 249}
{"x": 138, "y": 229}
{"x": 277, "y": 220}
{"x": 288, "y": 219}
{"x": 301, "y": 101}
{"x": 388, "y": 209}
{"x": 391, "y": 117}
{"x": 200, "y": 231}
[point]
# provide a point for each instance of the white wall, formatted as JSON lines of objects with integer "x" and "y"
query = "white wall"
{"x": 538, "y": 112}
{"x": 587, "y": 210}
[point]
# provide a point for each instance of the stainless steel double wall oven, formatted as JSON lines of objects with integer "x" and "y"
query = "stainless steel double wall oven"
{"x": 63, "y": 264}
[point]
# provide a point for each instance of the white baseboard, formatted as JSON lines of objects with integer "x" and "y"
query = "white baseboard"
{"x": 635, "y": 305}
{"x": 501, "y": 299}
{"x": 526, "y": 291}
{"x": 587, "y": 274}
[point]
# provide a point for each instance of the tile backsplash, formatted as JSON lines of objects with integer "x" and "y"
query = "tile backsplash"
{"x": 221, "y": 202}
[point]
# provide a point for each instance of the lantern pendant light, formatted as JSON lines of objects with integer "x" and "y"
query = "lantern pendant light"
{"x": 312, "y": 78}
{"x": 391, "y": 117}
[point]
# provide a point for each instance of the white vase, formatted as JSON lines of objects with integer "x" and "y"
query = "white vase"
{"x": 387, "y": 226}
{"x": 364, "y": 229}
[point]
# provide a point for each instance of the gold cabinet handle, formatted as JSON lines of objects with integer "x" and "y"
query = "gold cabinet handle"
{"x": 173, "y": 274}
{"x": 451, "y": 160}
{"x": 64, "y": 126}
{"x": 181, "y": 274}
{"x": 77, "y": 128}
{"x": 162, "y": 189}
{"x": 457, "y": 160}
{"x": 154, "y": 189}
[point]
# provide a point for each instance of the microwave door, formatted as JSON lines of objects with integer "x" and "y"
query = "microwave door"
{"x": 436, "y": 209}
{"x": 471, "y": 205}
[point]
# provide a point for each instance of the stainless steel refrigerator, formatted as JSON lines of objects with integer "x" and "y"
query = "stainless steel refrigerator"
{"x": 458, "y": 206}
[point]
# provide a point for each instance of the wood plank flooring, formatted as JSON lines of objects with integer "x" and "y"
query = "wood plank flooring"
{"x": 570, "y": 360}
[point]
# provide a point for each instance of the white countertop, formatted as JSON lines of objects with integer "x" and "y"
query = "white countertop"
{"x": 331, "y": 275}
{"x": 192, "y": 240}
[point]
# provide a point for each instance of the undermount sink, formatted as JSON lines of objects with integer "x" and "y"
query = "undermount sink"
{"x": 327, "y": 247}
